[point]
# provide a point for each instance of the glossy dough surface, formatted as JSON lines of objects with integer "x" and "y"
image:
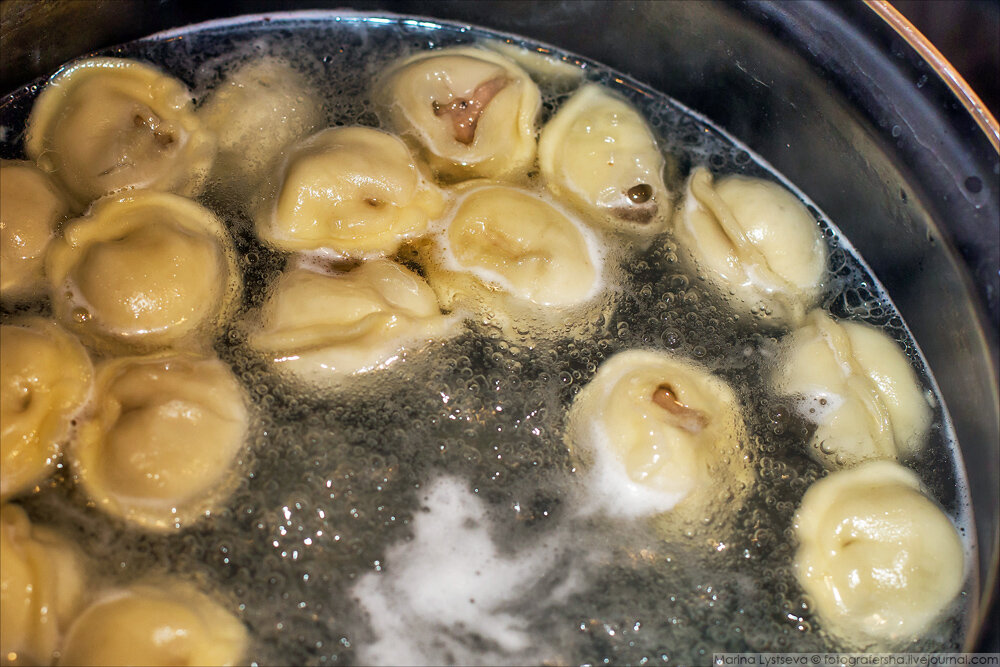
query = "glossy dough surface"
{"x": 161, "y": 443}
{"x": 857, "y": 386}
{"x": 879, "y": 559}
{"x": 105, "y": 124}
{"x": 146, "y": 270}
{"x": 45, "y": 377}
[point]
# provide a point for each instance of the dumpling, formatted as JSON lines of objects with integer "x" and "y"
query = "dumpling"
{"x": 45, "y": 378}
{"x": 598, "y": 152}
{"x": 41, "y": 588}
{"x": 879, "y": 559}
{"x": 323, "y": 326}
{"x": 857, "y": 386}
{"x": 756, "y": 241}
{"x": 161, "y": 443}
{"x": 473, "y": 112}
{"x": 661, "y": 430}
{"x": 31, "y": 208}
{"x": 155, "y": 623}
{"x": 105, "y": 124}
{"x": 148, "y": 269}
{"x": 353, "y": 191}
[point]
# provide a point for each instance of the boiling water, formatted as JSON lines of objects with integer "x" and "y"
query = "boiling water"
{"x": 432, "y": 512}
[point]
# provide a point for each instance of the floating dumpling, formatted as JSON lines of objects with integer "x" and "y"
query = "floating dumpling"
{"x": 105, "y": 124}
{"x": 857, "y": 386}
{"x": 161, "y": 442}
{"x": 31, "y": 208}
{"x": 148, "y": 270}
{"x": 472, "y": 111}
{"x": 323, "y": 326}
{"x": 353, "y": 191}
{"x": 756, "y": 241}
{"x": 45, "y": 377}
{"x": 156, "y": 623}
{"x": 660, "y": 430}
{"x": 598, "y": 152}
{"x": 879, "y": 559}
{"x": 41, "y": 588}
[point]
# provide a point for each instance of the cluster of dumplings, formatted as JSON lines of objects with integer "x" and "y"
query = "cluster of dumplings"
{"x": 500, "y": 216}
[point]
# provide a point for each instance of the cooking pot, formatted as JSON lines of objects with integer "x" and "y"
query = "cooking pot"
{"x": 846, "y": 99}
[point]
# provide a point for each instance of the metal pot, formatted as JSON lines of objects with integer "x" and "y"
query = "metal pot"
{"x": 847, "y": 99}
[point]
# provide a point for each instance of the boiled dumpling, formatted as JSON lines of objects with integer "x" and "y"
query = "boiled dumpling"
{"x": 353, "y": 191}
{"x": 105, "y": 124}
{"x": 756, "y": 241}
{"x": 599, "y": 153}
{"x": 322, "y": 326}
{"x": 31, "y": 207}
{"x": 161, "y": 443}
{"x": 148, "y": 269}
{"x": 155, "y": 623}
{"x": 857, "y": 386}
{"x": 41, "y": 588}
{"x": 878, "y": 558}
{"x": 472, "y": 111}
{"x": 660, "y": 430}
{"x": 45, "y": 377}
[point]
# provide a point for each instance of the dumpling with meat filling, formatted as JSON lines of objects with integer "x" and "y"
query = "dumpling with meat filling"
{"x": 45, "y": 378}
{"x": 662, "y": 432}
{"x": 472, "y": 111}
{"x": 324, "y": 326}
{"x": 104, "y": 124}
{"x": 145, "y": 270}
{"x": 857, "y": 386}
{"x": 41, "y": 588}
{"x": 162, "y": 440}
{"x": 756, "y": 241}
{"x": 165, "y": 622}
{"x": 878, "y": 558}
{"x": 599, "y": 153}
{"x": 31, "y": 208}
{"x": 353, "y": 191}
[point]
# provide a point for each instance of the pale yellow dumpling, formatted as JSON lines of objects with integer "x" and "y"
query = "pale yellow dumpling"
{"x": 105, "y": 124}
{"x": 169, "y": 623}
{"x": 160, "y": 445}
{"x": 30, "y": 208}
{"x": 599, "y": 153}
{"x": 41, "y": 589}
{"x": 352, "y": 191}
{"x": 45, "y": 378}
{"x": 878, "y": 558}
{"x": 321, "y": 326}
{"x": 857, "y": 386}
{"x": 756, "y": 241}
{"x": 472, "y": 111}
{"x": 146, "y": 270}
{"x": 661, "y": 430}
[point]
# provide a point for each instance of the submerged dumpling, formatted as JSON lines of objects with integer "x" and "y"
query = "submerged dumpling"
{"x": 598, "y": 152}
{"x": 104, "y": 124}
{"x": 661, "y": 430}
{"x": 30, "y": 208}
{"x": 45, "y": 377}
{"x": 472, "y": 111}
{"x": 354, "y": 191}
{"x": 161, "y": 443}
{"x": 879, "y": 559}
{"x": 41, "y": 588}
{"x": 857, "y": 386}
{"x": 323, "y": 326}
{"x": 148, "y": 269}
{"x": 756, "y": 241}
{"x": 155, "y": 623}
